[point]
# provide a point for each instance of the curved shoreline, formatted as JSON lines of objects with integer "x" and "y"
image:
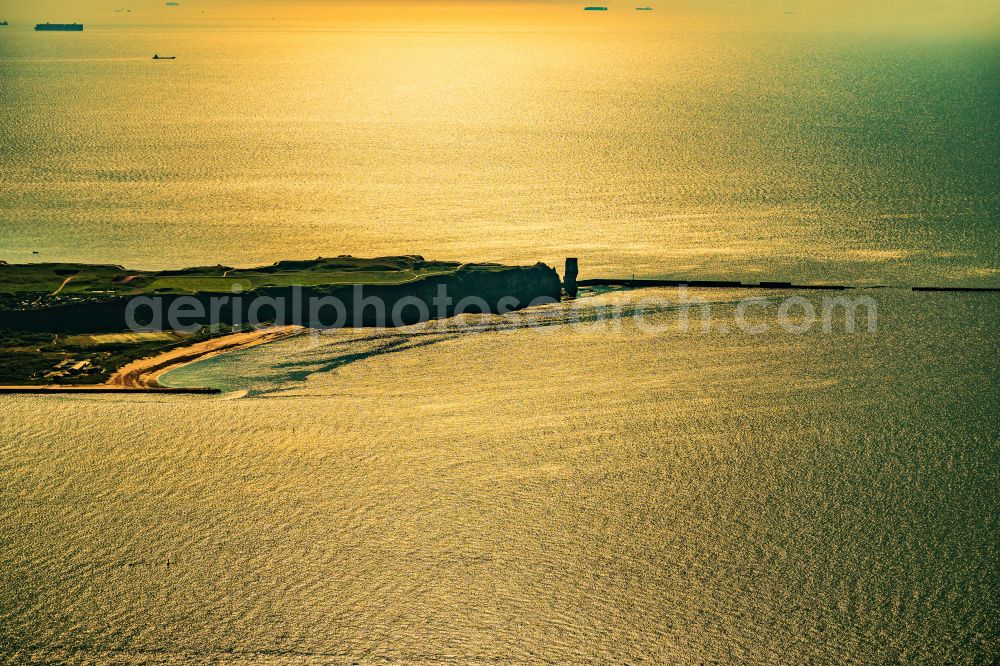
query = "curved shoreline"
{"x": 141, "y": 375}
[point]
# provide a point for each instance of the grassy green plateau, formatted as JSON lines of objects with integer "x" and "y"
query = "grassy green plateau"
{"x": 90, "y": 279}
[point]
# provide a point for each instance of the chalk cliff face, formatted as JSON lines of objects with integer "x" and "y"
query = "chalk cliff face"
{"x": 469, "y": 288}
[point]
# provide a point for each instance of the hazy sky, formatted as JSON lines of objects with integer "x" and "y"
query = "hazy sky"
{"x": 945, "y": 15}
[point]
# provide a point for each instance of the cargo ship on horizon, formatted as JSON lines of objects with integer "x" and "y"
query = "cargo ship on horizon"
{"x": 60, "y": 27}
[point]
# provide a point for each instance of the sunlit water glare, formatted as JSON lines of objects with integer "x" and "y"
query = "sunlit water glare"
{"x": 498, "y": 492}
{"x": 781, "y": 155}
{"x": 493, "y": 492}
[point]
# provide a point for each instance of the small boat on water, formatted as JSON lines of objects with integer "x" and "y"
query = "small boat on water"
{"x": 159, "y": 57}
{"x": 595, "y": 9}
{"x": 3, "y": 22}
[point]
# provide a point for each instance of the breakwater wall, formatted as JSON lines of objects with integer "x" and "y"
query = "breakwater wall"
{"x": 732, "y": 284}
{"x": 712, "y": 284}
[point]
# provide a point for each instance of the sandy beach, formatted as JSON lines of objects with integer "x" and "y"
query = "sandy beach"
{"x": 142, "y": 374}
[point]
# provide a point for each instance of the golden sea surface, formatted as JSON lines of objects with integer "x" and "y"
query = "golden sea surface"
{"x": 563, "y": 485}
{"x": 578, "y": 483}
{"x": 634, "y": 141}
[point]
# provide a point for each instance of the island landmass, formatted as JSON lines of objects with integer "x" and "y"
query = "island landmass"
{"x": 65, "y": 326}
